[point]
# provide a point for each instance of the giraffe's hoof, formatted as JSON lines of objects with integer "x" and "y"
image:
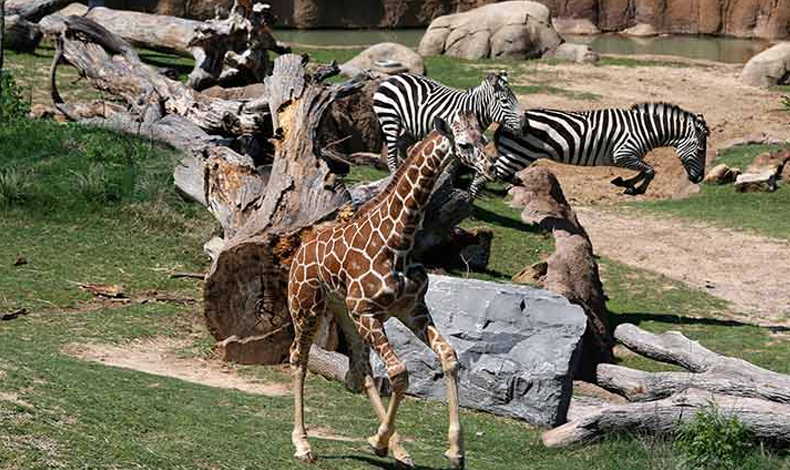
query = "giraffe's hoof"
{"x": 404, "y": 463}
{"x": 457, "y": 461}
{"x": 306, "y": 456}
{"x": 373, "y": 441}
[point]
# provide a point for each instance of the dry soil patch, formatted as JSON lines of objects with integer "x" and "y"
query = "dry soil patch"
{"x": 748, "y": 270}
{"x": 157, "y": 357}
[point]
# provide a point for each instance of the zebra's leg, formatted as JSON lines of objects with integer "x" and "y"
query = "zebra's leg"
{"x": 478, "y": 182}
{"x": 391, "y": 140}
{"x": 631, "y": 162}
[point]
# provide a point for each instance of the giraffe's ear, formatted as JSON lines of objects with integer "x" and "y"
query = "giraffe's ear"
{"x": 443, "y": 127}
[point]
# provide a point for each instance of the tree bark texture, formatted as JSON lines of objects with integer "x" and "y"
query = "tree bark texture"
{"x": 659, "y": 401}
{"x": 571, "y": 270}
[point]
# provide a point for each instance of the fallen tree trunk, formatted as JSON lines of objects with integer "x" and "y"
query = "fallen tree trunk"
{"x": 571, "y": 270}
{"x": 768, "y": 421}
{"x": 229, "y": 52}
{"x": 34, "y": 10}
{"x": 115, "y": 68}
{"x": 759, "y": 398}
{"x": 709, "y": 370}
{"x": 21, "y": 35}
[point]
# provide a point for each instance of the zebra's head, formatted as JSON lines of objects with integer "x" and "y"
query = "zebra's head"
{"x": 467, "y": 142}
{"x": 503, "y": 106}
{"x": 693, "y": 147}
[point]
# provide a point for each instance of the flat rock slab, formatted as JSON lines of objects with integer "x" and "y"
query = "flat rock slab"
{"x": 518, "y": 348}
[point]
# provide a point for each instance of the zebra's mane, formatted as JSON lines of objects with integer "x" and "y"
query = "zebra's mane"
{"x": 393, "y": 183}
{"x": 654, "y": 106}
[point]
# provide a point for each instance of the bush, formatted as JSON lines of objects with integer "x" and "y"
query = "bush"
{"x": 711, "y": 440}
{"x": 786, "y": 102}
{"x": 13, "y": 102}
{"x": 13, "y": 186}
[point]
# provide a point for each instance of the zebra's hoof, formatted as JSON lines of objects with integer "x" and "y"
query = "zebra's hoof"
{"x": 619, "y": 182}
{"x": 630, "y": 191}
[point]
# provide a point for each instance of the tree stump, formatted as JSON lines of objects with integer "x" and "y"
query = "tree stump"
{"x": 245, "y": 291}
{"x": 571, "y": 270}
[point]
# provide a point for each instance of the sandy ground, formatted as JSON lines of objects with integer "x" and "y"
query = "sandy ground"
{"x": 157, "y": 357}
{"x": 748, "y": 270}
{"x": 731, "y": 109}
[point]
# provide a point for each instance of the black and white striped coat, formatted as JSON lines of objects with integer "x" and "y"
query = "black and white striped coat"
{"x": 406, "y": 106}
{"x": 606, "y": 137}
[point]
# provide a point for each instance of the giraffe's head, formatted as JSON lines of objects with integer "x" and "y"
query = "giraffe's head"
{"x": 467, "y": 142}
{"x": 503, "y": 107}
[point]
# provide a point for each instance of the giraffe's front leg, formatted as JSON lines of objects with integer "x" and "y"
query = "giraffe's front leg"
{"x": 371, "y": 329}
{"x": 421, "y": 324}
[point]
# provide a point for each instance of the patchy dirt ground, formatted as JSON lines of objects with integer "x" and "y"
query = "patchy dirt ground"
{"x": 731, "y": 109}
{"x": 157, "y": 357}
{"x": 748, "y": 270}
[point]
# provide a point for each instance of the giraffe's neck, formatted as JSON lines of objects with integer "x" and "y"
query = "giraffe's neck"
{"x": 405, "y": 205}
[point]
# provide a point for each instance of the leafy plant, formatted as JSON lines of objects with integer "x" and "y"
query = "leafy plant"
{"x": 786, "y": 102}
{"x": 13, "y": 102}
{"x": 712, "y": 440}
{"x": 13, "y": 186}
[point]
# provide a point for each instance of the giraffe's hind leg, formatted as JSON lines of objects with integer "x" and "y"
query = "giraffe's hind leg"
{"x": 422, "y": 325}
{"x": 307, "y": 308}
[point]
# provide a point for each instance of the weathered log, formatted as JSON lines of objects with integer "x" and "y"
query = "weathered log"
{"x": 34, "y": 10}
{"x": 637, "y": 385}
{"x": 115, "y": 68}
{"x": 21, "y": 35}
{"x": 571, "y": 270}
{"x": 229, "y": 52}
{"x": 328, "y": 364}
{"x": 712, "y": 370}
{"x": 245, "y": 290}
{"x": 768, "y": 421}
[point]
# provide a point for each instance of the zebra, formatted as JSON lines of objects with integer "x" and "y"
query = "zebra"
{"x": 606, "y": 137}
{"x": 406, "y": 105}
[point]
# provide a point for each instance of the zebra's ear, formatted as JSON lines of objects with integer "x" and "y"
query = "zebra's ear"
{"x": 493, "y": 79}
{"x": 443, "y": 127}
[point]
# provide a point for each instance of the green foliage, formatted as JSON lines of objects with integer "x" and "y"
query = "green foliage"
{"x": 712, "y": 440}
{"x": 786, "y": 103}
{"x": 13, "y": 103}
{"x": 13, "y": 186}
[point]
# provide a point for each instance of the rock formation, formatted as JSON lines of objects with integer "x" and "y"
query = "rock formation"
{"x": 740, "y": 18}
{"x": 768, "y": 68}
{"x": 518, "y": 348}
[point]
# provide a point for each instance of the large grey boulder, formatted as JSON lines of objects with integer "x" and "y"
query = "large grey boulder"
{"x": 517, "y": 346}
{"x": 515, "y": 29}
{"x": 384, "y": 52}
{"x": 768, "y": 68}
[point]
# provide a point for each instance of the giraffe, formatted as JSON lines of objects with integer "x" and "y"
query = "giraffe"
{"x": 365, "y": 264}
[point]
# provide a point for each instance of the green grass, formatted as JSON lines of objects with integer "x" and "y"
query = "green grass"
{"x": 721, "y": 205}
{"x": 57, "y": 411}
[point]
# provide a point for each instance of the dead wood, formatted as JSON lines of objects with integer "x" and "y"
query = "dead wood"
{"x": 231, "y": 51}
{"x": 34, "y": 10}
{"x": 14, "y": 314}
{"x": 245, "y": 290}
{"x": 768, "y": 421}
{"x": 709, "y": 370}
{"x": 20, "y": 34}
{"x": 571, "y": 270}
{"x": 182, "y": 275}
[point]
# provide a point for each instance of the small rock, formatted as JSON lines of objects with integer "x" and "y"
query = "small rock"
{"x": 640, "y": 30}
{"x": 721, "y": 174}
{"x": 770, "y": 161}
{"x": 385, "y": 57}
{"x": 579, "y": 53}
{"x": 575, "y": 27}
{"x": 756, "y": 182}
{"x": 20, "y": 261}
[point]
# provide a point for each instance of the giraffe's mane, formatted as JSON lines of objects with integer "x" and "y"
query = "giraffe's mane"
{"x": 396, "y": 177}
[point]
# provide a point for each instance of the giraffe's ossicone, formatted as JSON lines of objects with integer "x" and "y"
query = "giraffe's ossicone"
{"x": 365, "y": 264}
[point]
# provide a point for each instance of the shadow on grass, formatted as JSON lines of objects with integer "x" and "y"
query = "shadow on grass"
{"x": 484, "y": 215}
{"x": 388, "y": 464}
{"x": 637, "y": 317}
